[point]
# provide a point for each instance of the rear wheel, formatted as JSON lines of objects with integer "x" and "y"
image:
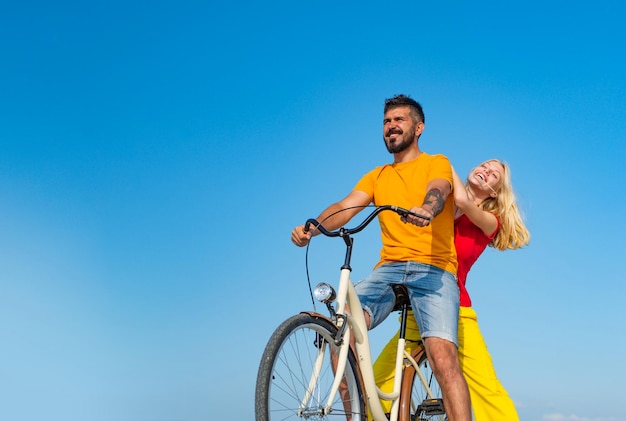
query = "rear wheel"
{"x": 297, "y": 371}
{"x": 421, "y": 398}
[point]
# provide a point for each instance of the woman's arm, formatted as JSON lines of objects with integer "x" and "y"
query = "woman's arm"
{"x": 484, "y": 220}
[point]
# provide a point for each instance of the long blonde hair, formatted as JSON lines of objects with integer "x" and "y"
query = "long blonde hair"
{"x": 513, "y": 233}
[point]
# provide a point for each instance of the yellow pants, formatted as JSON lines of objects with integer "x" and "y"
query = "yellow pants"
{"x": 490, "y": 401}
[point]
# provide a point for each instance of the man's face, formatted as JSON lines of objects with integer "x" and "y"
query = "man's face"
{"x": 399, "y": 129}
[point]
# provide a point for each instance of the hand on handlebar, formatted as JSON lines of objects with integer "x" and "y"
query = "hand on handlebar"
{"x": 415, "y": 219}
{"x": 300, "y": 237}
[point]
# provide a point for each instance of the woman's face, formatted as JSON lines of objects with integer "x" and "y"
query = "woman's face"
{"x": 487, "y": 177}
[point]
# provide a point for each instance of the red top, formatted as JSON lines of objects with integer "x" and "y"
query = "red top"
{"x": 470, "y": 242}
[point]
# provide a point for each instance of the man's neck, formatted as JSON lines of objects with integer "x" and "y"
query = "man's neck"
{"x": 406, "y": 155}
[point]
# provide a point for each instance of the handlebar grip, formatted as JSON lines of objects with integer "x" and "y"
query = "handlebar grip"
{"x": 404, "y": 212}
{"x": 307, "y": 224}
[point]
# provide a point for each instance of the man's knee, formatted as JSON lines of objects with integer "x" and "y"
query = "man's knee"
{"x": 442, "y": 355}
{"x": 366, "y": 315}
{"x": 368, "y": 319}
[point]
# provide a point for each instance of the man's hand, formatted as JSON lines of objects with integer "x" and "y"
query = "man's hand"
{"x": 300, "y": 237}
{"x": 420, "y": 222}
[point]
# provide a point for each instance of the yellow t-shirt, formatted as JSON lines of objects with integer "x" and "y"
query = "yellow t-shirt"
{"x": 404, "y": 185}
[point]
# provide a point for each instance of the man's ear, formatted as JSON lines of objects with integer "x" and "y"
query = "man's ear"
{"x": 419, "y": 128}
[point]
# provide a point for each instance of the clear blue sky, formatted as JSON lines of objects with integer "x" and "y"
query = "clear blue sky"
{"x": 154, "y": 157}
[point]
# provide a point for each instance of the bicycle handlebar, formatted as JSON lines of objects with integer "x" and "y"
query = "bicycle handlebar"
{"x": 348, "y": 231}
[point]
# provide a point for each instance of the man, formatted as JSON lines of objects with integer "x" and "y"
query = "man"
{"x": 418, "y": 253}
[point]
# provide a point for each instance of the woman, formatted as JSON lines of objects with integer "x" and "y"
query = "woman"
{"x": 486, "y": 214}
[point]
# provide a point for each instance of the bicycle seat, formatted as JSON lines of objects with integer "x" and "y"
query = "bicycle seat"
{"x": 402, "y": 297}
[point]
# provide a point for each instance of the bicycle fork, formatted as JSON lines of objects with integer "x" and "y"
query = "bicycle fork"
{"x": 339, "y": 362}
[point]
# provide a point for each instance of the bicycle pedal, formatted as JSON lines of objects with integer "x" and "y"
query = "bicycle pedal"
{"x": 432, "y": 407}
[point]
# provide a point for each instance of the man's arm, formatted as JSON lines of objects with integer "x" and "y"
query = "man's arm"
{"x": 333, "y": 216}
{"x": 437, "y": 191}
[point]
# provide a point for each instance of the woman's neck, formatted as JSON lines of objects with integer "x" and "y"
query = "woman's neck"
{"x": 476, "y": 197}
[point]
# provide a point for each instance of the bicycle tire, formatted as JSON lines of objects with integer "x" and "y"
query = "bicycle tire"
{"x": 415, "y": 402}
{"x": 285, "y": 373}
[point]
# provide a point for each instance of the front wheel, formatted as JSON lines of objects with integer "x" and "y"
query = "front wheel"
{"x": 421, "y": 398}
{"x": 297, "y": 371}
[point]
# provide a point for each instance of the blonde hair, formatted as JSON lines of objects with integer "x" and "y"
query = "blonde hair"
{"x": 513, "y": 233}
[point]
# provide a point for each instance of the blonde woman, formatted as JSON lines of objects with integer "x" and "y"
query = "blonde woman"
{"x": 486, "y": 214}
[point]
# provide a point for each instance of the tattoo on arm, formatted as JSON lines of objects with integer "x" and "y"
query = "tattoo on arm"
{"x": 434, "y": 199}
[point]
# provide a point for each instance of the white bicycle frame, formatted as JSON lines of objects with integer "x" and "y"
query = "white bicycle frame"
{"x": 356, "y": 327}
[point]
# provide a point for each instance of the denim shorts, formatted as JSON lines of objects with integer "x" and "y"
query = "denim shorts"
{"x": 433, "y": 292}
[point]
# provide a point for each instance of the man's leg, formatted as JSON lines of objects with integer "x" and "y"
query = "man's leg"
{"x": 444, "y": 361}
{"x": 435, "y": 299}
{"x": 377, "y": 299}
{"x": 385, "y": 365}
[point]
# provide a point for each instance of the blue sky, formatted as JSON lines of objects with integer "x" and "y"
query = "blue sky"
{"x": 154, "y": 157}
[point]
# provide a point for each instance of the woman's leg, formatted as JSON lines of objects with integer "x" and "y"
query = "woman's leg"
{"x": 490, "y": 401}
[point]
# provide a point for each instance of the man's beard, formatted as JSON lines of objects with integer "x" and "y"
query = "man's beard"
{"x": 403, "y": 144}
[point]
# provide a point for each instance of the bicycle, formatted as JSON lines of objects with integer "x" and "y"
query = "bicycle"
{"x": 309, "y": 370}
